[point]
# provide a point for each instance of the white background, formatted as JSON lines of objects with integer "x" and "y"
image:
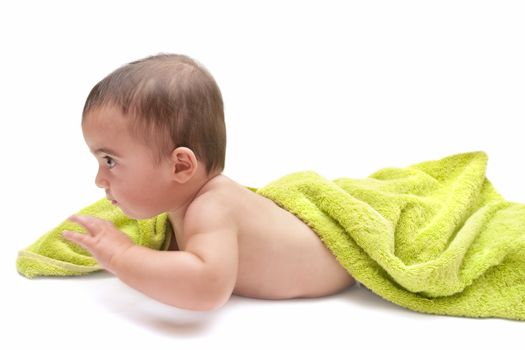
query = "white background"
{"x": 342, "y": 88}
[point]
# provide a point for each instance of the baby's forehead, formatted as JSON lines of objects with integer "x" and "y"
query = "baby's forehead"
{"x": 102, "y": 126}
{"x": 107, "y": 128}
{"x": 105, "y": 116}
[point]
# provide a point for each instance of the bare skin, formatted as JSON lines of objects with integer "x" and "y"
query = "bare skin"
{"x": 228, "y": 240}
{"x": 280, "y": 257}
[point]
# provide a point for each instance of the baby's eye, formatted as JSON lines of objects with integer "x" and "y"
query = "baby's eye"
{"x": 110, "y": 162}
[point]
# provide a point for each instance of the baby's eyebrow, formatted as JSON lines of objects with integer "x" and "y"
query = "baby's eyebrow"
{"x": 107, "y": 151}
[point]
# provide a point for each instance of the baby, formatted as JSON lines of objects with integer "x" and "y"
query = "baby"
{"x": 156, "y": 127}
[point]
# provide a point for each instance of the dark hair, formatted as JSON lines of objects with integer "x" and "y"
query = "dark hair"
{"x": 172, "y": 101}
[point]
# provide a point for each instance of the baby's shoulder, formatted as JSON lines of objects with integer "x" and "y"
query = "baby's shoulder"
{"x": 220, "y": 193}
{"x": 212, "y": 207}
{"x": 214, "y": 195}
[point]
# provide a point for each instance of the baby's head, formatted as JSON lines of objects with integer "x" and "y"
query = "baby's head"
{"x": 170, "y": 101}
{"x": 156, "y": 126}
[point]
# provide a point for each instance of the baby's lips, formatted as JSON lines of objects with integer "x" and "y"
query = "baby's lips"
{"x": 114, "y": 202}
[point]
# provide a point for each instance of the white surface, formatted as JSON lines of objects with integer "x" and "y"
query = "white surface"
{"x": 343, "y": 88}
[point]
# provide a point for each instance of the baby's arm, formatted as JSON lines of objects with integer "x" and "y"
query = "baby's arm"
{"x": 201, "y": 277}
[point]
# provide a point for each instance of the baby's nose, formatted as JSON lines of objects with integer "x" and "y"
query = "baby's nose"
{"x": 100, "y": 181}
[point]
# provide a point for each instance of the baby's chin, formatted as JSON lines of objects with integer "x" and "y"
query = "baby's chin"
{"x": 137, "y": 215}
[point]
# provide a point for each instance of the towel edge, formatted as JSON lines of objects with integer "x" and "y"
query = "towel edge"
{"x": 73, "y": 268}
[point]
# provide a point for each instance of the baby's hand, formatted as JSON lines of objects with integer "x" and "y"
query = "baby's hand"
{"x": 102, "y": 239}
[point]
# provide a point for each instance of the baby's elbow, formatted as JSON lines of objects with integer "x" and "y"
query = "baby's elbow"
{"x": 212, "y": 294}
{"x": 212, "y": 289}
{"x": 216, "y": 289}
{"x": 210, "y": 300}
{"x": 213, "y": 302}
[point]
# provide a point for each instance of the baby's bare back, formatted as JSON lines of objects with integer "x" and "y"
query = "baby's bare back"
{"x": 279, "y": 255}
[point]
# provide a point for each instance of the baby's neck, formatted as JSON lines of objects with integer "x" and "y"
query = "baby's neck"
{"x": 186, "y": 194}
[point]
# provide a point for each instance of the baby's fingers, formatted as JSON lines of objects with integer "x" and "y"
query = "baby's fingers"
{"x": 91, "y": 224}
{"x": 82, "y": 240}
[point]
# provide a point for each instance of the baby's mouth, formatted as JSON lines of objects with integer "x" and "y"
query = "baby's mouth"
{"x": 108, "y": 197}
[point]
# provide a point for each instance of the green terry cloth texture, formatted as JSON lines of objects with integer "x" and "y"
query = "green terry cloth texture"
{"x": 435, "y": 237}
{"x": 53, "y": 255}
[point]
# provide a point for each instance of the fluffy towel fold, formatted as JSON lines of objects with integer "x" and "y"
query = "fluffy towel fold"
{"x": 434, "y": 237}
{"x": 53, "y": 255}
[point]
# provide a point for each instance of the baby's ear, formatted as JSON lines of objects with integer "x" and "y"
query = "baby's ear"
{"x": 184, "y": 164}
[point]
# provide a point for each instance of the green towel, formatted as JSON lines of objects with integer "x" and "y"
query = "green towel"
{"x": 434, "y": 237}
{"x": 53, "y": 255}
